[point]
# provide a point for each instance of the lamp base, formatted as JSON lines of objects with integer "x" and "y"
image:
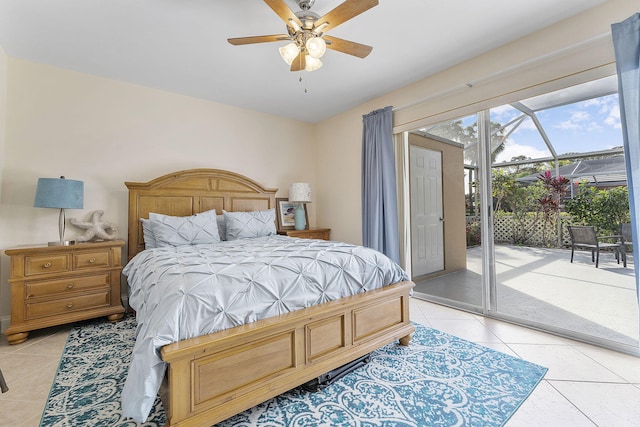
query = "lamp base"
{"x": 63, "y": 243}
{"x": 300, "y": 221}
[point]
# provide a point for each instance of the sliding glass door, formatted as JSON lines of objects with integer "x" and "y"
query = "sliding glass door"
{"x": 444, "y": 186}
{"x": 522, "y": 173}
{"x": 560, "y": 163}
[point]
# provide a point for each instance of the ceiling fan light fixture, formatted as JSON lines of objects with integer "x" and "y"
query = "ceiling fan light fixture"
{"x": 316, "y": 47}
{"x": 289, "y": 52}
{"x": 306, "y": 29}
{"x": 312, "y": 63}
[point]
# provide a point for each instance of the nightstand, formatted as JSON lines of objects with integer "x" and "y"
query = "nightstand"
{"x": 53, "y": 285}
{"x": 310, "y": 233}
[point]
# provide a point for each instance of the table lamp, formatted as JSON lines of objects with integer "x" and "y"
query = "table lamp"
{"x": 300, "y": 192}
{"x": 59, "y": 193}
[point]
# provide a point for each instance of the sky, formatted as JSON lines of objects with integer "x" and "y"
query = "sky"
{"x": 590, "y": 125}
{"x": 577, "y": 119}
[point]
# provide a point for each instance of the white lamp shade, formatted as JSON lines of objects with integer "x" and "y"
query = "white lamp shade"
{"x": 289, "y": 52}
{"x": 312, "y": 63}
{"x": 59, "y": 193}
{"x": 316, "y": 47}
{"x": 300, "y": 192}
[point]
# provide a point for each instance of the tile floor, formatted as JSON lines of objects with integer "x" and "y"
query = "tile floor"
{"x": 585, "y": 385}
{"x": 541, "y": 284}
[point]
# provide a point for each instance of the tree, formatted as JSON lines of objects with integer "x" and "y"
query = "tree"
{"x": 520, "y": 201}
{"x": 502, "y": 187}
{"x": 551, "y": 202}
{"x": 523, "y": 169}
{"x": 604, "y": 209}
{"x": 455, "y": 130}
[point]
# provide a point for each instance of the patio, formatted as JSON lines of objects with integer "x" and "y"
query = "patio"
{"x": 542, "y": 286}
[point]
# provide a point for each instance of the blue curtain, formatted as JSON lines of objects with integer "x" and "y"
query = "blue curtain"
{"x": 626, "y": 42}
{"x": 379, "y": 195}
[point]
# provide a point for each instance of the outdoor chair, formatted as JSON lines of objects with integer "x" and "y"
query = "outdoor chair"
{"x": 584, "y": 237}
{"x": 626, "y": 240}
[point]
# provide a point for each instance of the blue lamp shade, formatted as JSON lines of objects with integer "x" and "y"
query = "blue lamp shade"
{"x": 59, "y": 193}
{"x": 300, "y": 192}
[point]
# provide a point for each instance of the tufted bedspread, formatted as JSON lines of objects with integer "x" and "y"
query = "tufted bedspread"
{"x": 186, "y": 291}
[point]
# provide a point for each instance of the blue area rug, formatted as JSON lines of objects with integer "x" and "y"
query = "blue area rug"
{"x": 439, "y": 380}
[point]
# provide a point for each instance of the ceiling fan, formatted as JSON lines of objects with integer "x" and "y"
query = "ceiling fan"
{"x": 306, "y": 32}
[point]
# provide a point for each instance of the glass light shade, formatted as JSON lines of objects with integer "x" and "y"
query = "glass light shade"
{"x": 289, "y": 52}
{"x": 316, "y": 47}
{"x": 312, "y": 63}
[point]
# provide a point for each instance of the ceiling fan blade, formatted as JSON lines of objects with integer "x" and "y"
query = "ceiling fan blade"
{"x": 283, "y": 11}
{"x": 258, "y": 39}
{"x": 300, "y": 63}
{"x": 343, "y": 12}
{"x": 348, "y": 47}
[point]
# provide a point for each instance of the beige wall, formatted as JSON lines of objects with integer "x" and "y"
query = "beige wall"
{"x": 105, "y": 132}
{"x": 453, "y": 203}
{"x": 538, "y": 63}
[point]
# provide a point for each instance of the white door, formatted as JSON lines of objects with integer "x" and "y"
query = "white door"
{"x": 427, "y": 243}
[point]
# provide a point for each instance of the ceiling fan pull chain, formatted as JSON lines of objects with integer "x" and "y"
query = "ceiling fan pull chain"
{"x": 302, "y": 82}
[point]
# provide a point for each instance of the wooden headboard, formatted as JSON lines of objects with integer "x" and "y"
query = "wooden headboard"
{"x": 193, "y": 191}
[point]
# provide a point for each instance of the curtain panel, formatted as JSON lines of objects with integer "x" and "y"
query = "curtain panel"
{"x": 626, "y": 42}
{"x": 379, "y": 195}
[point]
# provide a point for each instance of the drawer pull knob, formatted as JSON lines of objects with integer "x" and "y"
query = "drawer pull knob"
{"x": 70, "y": 285}
{"x": 92, "y": 260}
{"x": 46, "y": 265}
{"x": 70, "y": 305}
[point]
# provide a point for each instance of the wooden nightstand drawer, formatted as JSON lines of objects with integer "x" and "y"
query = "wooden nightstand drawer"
{"x": 62, "y": 286}
{"x": 92, "y": 260}
{"x": 46, "y": 264}
{"x": 314, "y": 234}
{"x": 53, "y": 285}
{"x": 67, "y": 305}
{"x": 310, "y": 233}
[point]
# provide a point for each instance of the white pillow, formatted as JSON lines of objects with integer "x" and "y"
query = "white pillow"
{"x": 147, "y": 233}
{"x": 222, "y": 228}
{"x": 196, "y": 229}
{"x": 245, "y": 225}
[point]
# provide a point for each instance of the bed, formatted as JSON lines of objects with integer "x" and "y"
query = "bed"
{"x": 214, "y": 376}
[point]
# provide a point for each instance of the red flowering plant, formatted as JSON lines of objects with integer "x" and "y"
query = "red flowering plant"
{"x": 551, "y": 202}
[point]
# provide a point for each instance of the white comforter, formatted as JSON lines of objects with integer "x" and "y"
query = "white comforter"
{"x": 187, "y": 291}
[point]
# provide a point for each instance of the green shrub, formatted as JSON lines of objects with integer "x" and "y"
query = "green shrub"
{"x": 604, "y": 209}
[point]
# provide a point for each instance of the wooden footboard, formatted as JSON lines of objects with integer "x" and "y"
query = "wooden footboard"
{"x": 213, "y": 377}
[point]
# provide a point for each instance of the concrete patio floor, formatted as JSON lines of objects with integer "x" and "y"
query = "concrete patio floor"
{"x": 542, "y": 286}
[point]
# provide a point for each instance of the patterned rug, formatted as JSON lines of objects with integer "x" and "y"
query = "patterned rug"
{"x": 439, "y": 380}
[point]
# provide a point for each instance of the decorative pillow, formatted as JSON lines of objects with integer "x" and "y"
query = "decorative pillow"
{"x": 245, "y": 225}
{"x": 222, "y": 228}
{"x": 185, "y": 230}
{"x": 147, "y": 232}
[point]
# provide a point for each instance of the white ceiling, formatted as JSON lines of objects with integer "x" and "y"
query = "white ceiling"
{"x": 181, "y": 45}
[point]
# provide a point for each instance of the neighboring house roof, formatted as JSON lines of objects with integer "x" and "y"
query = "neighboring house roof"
{"x": 601, "y": 172}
